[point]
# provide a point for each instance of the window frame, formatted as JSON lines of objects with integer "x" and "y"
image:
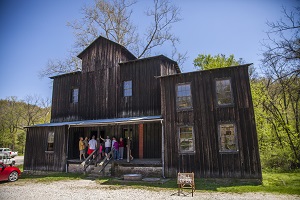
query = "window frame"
{"x": 50, "y": 140}
{"x": 178, "y": 108}
{"x": 235, "y": 135}
{"x": 180, "y": 151}
{"x": 231, "y": 93}
{"x": 127, "y": 89}
{"x": 73, "y": 96}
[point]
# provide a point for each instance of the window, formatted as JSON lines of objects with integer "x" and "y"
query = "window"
{"x": 224, "y": 94}
{"x": 74, "y": 97}
{"x": 50, "y": 141}
{"x": 184, "y": 99}
{"x": 186, "y": 140}
{"x": 127, "y": 88}
{"x": 227, "y": 138}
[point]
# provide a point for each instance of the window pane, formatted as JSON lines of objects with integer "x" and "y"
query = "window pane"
{"x": 127, "y": 88}
{"x": 50, "y": 141}
{"x": 223, "y": 89}
{"x": 186, "y": 139}
{"x": 184, "y": 99}
{"x": 75, "y": 93}
{"x": 227, "y": 138}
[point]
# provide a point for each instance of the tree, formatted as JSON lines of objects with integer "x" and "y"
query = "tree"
{"x": 282, "y": 48}
{"x": 112, "y": 19}
{"x": 204, "y": 62}
{"x": 281, "y": 64}
{"x": 16, "y": 114}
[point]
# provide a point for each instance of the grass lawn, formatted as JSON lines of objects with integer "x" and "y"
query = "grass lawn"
{"x": 281, "y": 183}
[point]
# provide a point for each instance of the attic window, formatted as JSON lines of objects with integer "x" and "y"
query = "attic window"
{"x": 127, "y": 86}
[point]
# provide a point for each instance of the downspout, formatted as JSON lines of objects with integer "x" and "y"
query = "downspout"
{"x": 162, "y": 149}
{"x": 67, "y": 148}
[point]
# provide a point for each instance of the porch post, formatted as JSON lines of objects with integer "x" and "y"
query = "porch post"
{"x": 162, "y": 149}
{"x": 141, "y": 141}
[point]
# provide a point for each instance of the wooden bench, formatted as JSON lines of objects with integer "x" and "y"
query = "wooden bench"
{"x": 185, "y": 180}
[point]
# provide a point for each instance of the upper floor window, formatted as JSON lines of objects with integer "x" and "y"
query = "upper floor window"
{"x": 127, "y": 88}
{"x": 227, "y": 138}
{"x": 74, "y": 97}
{"x": 186, "y": 140}
{"x": 50, "y": 142}
{"x": 224, "y": 94}
{"x": 184, "y": 97}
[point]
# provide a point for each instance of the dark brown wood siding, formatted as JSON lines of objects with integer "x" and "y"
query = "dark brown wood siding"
{"x": 204, "y": 117}
{"x": 103, "y": 54}
{"x": 145, "y": 99}
{"x": 36, "y": 155}
{"x": 62, "y": 107}
{"x": 152, "y": 140}
{"x": 98, "y": 94}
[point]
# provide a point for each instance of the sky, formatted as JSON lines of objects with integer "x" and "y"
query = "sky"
{"x": 32, "y": 32}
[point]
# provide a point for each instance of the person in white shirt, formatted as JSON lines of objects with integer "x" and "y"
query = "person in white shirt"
{"x": 107, "y": 145}
{"x": 92, "y": 145}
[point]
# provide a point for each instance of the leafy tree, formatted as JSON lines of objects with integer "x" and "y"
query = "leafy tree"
{"x": 281, "y": 64}
{"x": 113, "y": 20}
{"x": 204, "y": 62}
{"x": 16, "y": 114}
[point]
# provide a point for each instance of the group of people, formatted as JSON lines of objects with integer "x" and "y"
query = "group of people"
{"x": 87, "y": 147}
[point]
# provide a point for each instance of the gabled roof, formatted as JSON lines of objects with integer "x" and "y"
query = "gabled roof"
{"x": 161, "y": 57}
{"x": 100, "y": 37}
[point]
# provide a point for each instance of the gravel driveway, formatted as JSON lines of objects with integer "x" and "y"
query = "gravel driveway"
{"x": 87, "y": 189}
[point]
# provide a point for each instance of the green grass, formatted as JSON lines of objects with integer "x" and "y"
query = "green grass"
{"x": 52, "y": 177}
{"x": 280, "y": 183}
{"x": 273, "y": 182}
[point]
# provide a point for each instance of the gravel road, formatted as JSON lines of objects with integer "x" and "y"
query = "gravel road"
{"x": 87, "y": 189}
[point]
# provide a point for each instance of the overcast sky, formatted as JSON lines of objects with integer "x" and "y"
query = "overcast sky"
{"x": 34, "y": 31}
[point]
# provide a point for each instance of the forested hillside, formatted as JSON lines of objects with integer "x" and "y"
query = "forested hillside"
{"x": 16, "y": 114}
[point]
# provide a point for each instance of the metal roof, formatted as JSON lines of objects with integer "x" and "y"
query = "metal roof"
{"x": 102, "y": 122}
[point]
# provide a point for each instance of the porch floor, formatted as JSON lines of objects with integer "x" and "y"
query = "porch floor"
{"x": 149, "y": 162}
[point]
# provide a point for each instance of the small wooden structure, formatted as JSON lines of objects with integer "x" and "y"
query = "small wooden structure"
{"x": 185, "y": 180}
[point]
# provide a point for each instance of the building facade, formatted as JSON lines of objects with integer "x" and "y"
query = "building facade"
{"x": 201, "y": 122}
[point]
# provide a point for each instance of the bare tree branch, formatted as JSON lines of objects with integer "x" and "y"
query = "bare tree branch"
{"x": 113, "y": 19}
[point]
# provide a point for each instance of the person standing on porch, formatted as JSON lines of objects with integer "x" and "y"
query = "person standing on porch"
{"x": 86, "y": 145}
{"x": 92, "y": 145}
{"x": 107, "y": 145}
{"x": 130, "y": 146}
{"x": 121, "y": 148}
{"x": 116, "y": 149}
{"x": 81, "y": 148}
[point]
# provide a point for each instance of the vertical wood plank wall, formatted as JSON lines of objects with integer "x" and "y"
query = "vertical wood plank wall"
{"x": 204, "y": 117}
{"x": 36, "y": 157}
{"x": 105, "y": 66}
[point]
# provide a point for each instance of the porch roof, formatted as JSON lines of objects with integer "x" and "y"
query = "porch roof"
{"x": 102, "y": 122}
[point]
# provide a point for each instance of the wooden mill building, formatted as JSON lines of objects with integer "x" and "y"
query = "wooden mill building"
{"x": 201, "y": 122}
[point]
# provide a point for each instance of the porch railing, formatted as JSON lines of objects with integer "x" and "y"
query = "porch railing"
{"x": 91, "y": 159}
{"x": 106, "y": 160}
